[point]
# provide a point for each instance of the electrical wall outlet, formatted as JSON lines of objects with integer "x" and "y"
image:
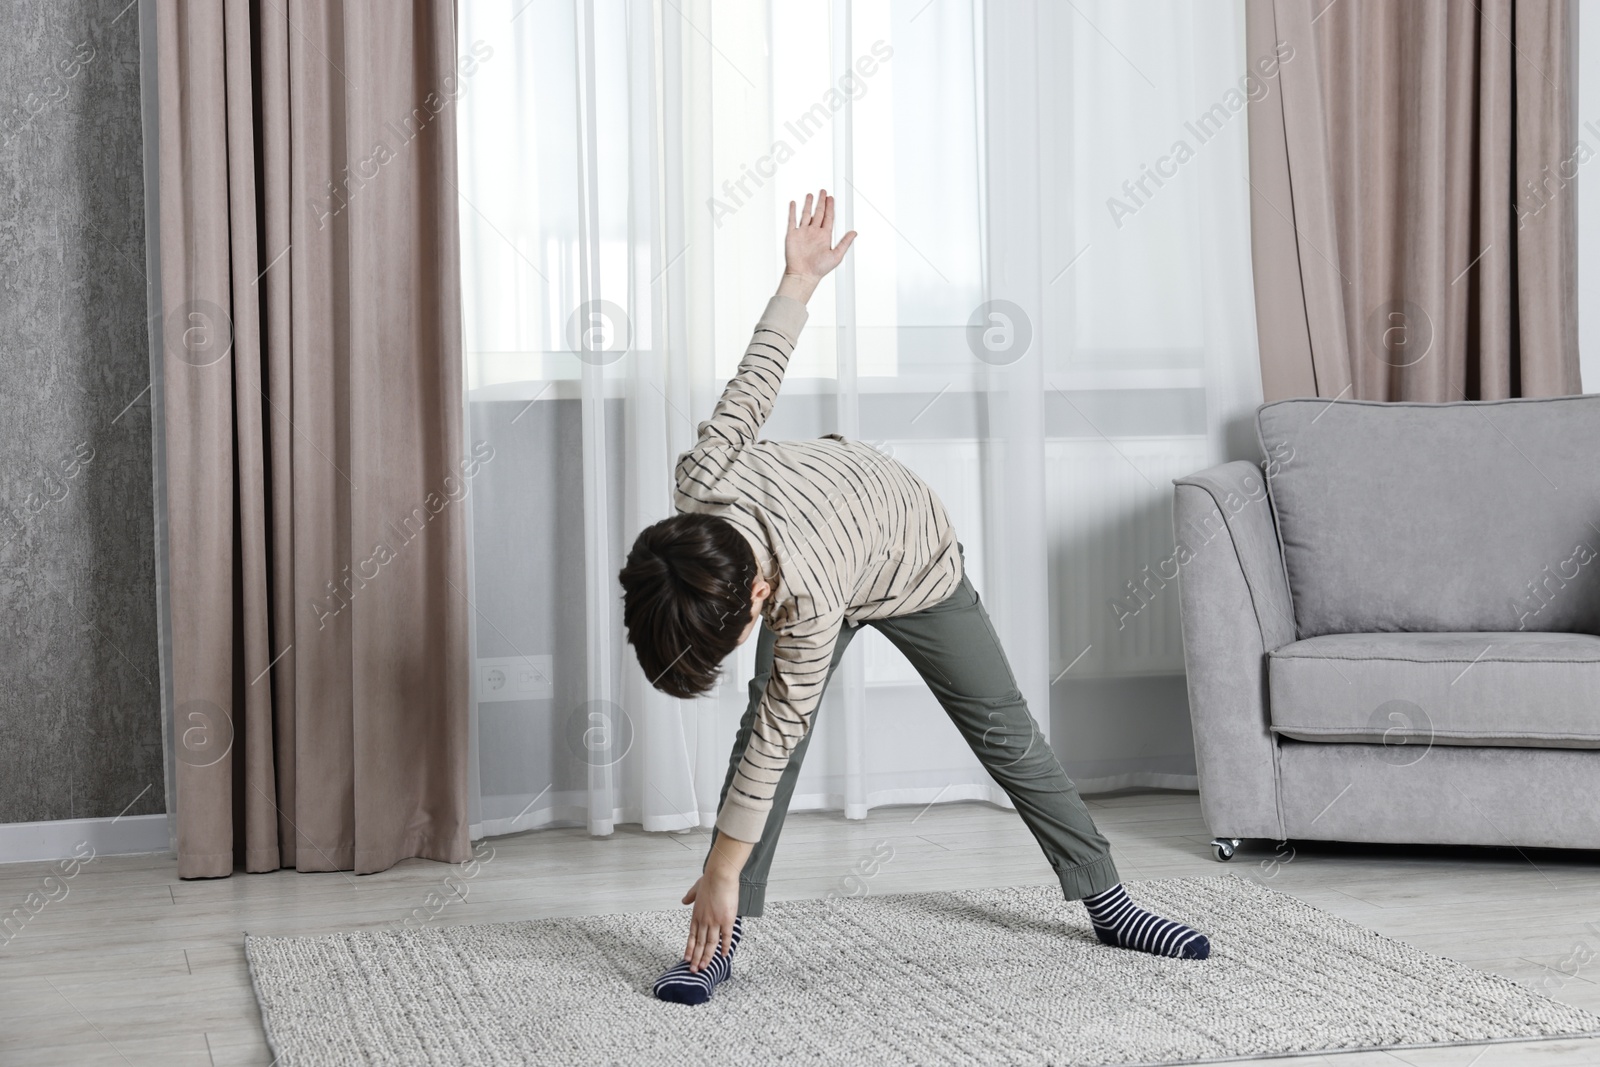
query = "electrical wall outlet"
{"x": 516, "y": 678}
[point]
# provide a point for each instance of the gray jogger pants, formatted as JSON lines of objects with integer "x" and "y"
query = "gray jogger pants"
{"x": 954, "y": 647}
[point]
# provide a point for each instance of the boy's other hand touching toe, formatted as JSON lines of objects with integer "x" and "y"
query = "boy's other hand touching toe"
{"x": 714, "y": 932}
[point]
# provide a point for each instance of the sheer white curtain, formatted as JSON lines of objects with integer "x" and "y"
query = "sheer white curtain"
{"x": 625, "y": 169}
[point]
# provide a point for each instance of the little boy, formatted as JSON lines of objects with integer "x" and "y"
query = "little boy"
{"x": 815, "y": 539}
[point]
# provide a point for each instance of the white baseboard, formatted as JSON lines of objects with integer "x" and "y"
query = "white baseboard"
{"x": 1138, "y": 780}
{"x": 36, "y": 842}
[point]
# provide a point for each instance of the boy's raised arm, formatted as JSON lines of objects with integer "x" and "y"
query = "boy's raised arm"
{"x": 808, "y": 255}
{"x": 747, "y": 400}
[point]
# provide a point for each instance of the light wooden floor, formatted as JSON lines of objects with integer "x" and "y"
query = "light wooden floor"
{"x": 136, "y": 967}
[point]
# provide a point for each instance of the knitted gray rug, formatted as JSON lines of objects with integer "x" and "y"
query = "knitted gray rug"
{"x": 994, "y": 976}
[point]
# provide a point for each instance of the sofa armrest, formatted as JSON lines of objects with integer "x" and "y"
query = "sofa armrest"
{"x": 1235, "y": 607}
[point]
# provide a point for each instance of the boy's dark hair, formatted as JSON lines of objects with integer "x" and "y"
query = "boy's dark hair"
{"x": 686, "y": 599}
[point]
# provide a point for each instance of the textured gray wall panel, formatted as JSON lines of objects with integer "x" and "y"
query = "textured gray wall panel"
{"x": 80, "y": 732}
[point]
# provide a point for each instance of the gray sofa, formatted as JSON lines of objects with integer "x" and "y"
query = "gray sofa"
{"x": 1390, "y": 630}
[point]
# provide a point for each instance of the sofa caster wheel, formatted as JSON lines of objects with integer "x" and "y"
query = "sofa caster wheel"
{"x": 1223, "y": 848}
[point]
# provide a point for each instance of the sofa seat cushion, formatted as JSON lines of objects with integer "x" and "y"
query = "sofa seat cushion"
{"x": 1516, "y": 688}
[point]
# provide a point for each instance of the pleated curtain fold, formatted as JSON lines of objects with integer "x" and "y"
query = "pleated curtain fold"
{"x": 315, "y": 460}
{"x": 1413, "y": 169}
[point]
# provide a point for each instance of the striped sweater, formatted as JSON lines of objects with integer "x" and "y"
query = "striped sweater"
{"x": 844, "y": 533}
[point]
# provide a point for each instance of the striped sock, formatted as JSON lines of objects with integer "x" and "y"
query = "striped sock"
{"x": 682, "y": 986}
{"x": 1120, "y": 922}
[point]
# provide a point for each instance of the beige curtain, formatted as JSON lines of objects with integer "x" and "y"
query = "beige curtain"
{"x": 309, "y": 274}
{"x": 1413, "y": 211}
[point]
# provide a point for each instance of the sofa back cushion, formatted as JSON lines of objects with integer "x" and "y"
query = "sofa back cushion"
{"x": 1437, "y": 517}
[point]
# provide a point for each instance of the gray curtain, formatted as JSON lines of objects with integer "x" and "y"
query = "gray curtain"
{"x": 1413, "y": 208}
{"x": 309, "y": 271}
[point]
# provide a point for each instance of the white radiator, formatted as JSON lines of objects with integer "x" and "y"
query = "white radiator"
{"x": 1113, "y": 585}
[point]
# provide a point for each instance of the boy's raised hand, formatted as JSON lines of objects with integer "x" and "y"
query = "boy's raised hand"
{"x": 808, "y": 249}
